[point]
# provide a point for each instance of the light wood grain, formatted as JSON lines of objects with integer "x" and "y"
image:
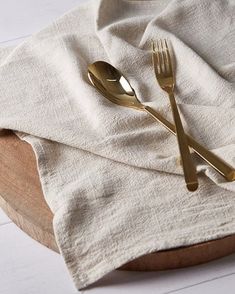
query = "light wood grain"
{"x": 22, "y": 199}
{"x": 20, "y": 190}
{"x": 4, "y": 219}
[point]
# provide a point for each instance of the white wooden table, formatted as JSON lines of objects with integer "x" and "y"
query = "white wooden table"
{"x": 26, "y": 267}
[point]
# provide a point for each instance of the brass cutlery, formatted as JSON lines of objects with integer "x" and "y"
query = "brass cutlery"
{"x": 163, "y": 69}
{"x": 116, "y": 88}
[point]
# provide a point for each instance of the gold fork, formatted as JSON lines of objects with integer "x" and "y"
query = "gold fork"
{"x": 163, "y": 69}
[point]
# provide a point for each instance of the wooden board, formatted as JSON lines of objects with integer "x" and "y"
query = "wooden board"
{"x": 22, "y": 199}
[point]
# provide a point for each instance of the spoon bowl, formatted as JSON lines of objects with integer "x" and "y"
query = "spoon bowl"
{"x": 112, "y": 84}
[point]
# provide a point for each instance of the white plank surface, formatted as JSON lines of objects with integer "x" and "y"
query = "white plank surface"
{"x": 27, "y": 267}
{"x": 217, "y": 286}
{"x": 185, "y": 280}
{"x": 24, "y": 17}
{"x": 12, "y": 42}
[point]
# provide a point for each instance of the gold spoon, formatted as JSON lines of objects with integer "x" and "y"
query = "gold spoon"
{"x": 115, "y": 87}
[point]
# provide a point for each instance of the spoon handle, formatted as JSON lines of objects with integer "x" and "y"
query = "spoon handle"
{"x": 216, "y": 162}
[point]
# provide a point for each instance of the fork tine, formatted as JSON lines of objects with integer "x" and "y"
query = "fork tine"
{"x": 167, "y": 61}
{"x": 164, "y": 56}
{"x": 159, "y": 51}
{"x": 155, "y": 57}
{"x": 153, "y": 45}
{"x": 168, "y": 56}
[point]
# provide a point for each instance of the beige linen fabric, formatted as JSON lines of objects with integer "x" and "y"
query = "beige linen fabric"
{"x": 110, "y": 174}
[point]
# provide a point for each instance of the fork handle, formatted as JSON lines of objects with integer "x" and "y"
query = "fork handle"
{"x": 189, "y": 169}
{"x": 226, "y": 170}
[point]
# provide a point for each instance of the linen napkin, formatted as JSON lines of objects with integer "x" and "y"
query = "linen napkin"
{"x": 110, "y": 174}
